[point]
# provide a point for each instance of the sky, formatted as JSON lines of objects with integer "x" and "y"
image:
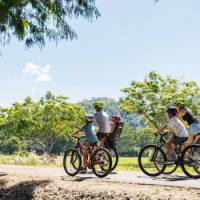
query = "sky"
{"x": 131, "y": 38}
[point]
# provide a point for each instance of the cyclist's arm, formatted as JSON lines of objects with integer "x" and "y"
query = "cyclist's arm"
{"x": 161, "y": 129}
{"x": 75, "y": 133}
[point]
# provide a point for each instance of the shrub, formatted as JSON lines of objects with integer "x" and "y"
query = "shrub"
{"x": 11, "y": 145}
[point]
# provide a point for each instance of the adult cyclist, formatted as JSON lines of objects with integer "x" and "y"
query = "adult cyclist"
{"x": 189, "y": 120}
{"x": 103, "y": 122}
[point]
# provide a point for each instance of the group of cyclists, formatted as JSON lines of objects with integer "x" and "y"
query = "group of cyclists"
{"x": 184, "y": 126}
{"x": 182, "y": 123}
{"x": 105, "y": 128}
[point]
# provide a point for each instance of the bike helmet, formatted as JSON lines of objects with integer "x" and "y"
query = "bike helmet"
{"x": 116, "y": 118}
{"x": 89, "y": 118}
{"x": 180, "y": 102}
{"x": 172, "y": 110}
{"x": 99, "y": 104}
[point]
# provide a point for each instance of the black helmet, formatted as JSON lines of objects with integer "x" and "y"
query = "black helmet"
{"x": 172, "y": 110}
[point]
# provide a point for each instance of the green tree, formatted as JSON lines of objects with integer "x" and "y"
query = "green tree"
{"x": 35, "y": 21}
{"x": 41, "y": 124}
{"x": 112, "y": 107}
{"x": 11, "y": 145}
{"x": 151, "y": 97}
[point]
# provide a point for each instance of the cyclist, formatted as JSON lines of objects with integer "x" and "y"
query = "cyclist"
{"x": 189, "y": 120}
{"x": 91, "y": 139}
{"x": 177, "y": 127}
{"x": 103, "y": 122}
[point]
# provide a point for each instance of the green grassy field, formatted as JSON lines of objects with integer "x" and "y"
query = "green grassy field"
{"x": 125, "y": 163}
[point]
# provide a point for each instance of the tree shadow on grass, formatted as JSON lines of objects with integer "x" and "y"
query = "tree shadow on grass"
{"x": 21, "y": 191}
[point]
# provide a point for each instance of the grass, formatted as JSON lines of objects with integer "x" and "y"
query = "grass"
{"x": 125, "y": 163}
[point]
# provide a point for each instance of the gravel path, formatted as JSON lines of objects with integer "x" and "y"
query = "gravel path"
{"x": 26, "y": 183}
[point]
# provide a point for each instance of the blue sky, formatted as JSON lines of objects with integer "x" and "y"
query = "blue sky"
{"x": 131, "y": 38}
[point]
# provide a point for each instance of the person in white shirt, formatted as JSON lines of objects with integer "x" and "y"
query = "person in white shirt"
{"x": 103, "y": 122}
{"x": 177, "y": 127}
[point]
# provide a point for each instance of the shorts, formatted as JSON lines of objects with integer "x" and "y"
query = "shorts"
{"x": 179, "y": 140}
{"x": 101, "y": 135}
{"x": 194, "y": 129}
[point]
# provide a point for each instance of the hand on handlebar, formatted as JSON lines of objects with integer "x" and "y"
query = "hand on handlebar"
{"x": 156, "y": 133}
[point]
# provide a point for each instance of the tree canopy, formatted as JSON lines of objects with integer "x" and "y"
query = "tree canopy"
{"x": 151, "y": 97}
{"x": 35, "y": 21}
{"x": 41, "y": 123}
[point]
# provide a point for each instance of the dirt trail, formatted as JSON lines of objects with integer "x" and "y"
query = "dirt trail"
{"x": 19, "y": 182}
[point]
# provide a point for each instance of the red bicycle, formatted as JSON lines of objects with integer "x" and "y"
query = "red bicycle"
{"x": 99, "y": 160}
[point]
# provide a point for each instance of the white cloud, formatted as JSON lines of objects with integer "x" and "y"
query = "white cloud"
{"x": 41, "y": 74}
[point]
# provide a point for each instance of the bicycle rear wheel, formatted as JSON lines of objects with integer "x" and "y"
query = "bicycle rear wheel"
{"x": 151, "y": 160}
{"x": 191, "y": 161}
{"x": 72, "y": 162}
{"x": 114, "y": 156}
{"x": 101, "y": 162}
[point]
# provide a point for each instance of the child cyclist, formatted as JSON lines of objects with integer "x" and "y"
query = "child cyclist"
{"x": 177, "y": 127}
{"x": 91, "y": 139}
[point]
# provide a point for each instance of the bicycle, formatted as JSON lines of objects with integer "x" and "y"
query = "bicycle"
{"x": 152, "y": 159}
{"x": 99, "y": 160}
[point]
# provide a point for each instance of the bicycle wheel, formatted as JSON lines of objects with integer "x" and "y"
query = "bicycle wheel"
{"x": 151, "y": 160}
{"x": 191, "y": 161}
{"x": 101, "y": 162}
{"x": 72, "y": 162}
{"x": 114, "y": 156}
{"x": 170, "y": 167}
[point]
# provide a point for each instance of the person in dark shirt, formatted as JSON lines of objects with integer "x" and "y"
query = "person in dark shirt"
{"x": 189, "y": 120}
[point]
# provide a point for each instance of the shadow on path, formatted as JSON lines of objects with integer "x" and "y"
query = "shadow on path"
{"x": 171, "y": 178}
{"x": 21, "y": 191}
{"x": 77, "y": 178}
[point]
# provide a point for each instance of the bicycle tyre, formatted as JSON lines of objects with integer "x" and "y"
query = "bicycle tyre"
{"x": 185, "y": 163}
{"x": 159, "y": 170}
{"x": 76, "y": 154}
{"x": 109, "y": 160}
{"x": 114, "y": 162}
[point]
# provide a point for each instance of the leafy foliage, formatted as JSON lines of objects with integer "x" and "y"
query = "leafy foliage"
{"x": 11, "y": 145}
{"x": 41, "y": 123}
{"x": 151, "y": 97}
{"x": 112, "y": 107}
{"x": 35, "y": 21}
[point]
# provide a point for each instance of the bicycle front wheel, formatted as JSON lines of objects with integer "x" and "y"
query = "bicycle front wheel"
{"x": 101, "y": 162}
{"x": 72, "y": 162}
{"x": 151, "y": 160}
{"x": 170, "y": 167}
{"x": 191, "y": 161}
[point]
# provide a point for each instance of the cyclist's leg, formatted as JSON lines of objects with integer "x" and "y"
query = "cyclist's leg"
{"x": 170, "y": 146}
{"x": 190, "y": 140}
{"x": 101, "y": 137}
{"x": 85, "y": 154}
{"x": 196, "y": 138}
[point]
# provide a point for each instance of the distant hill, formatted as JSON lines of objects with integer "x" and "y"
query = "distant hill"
{"x": 112, "y": 107}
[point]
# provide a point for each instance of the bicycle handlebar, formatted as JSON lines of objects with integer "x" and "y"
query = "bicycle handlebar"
{"x": 77, "y": 137}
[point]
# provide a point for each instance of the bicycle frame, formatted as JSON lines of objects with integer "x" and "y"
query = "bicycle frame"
{"x": 177, "y": 150}
{"x": 80, "y": 147}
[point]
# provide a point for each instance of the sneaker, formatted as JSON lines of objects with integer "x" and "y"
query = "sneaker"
{"x": 83, "y": 170}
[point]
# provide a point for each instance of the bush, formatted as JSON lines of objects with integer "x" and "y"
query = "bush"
{"x": 11, "y": 145}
